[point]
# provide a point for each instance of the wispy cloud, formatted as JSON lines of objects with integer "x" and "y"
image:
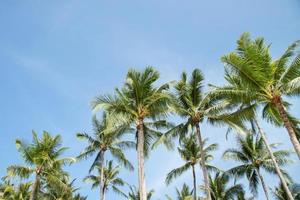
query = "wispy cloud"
{"x": 48, "y": 74}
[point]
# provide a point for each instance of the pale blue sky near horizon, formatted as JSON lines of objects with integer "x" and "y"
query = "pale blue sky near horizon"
{"x": 56, "y": 56}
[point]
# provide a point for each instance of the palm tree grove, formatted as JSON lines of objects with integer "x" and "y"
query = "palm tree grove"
{"x": 227, "y": 129}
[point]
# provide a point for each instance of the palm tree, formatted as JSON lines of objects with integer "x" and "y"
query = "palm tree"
{"x": 184, "y": 194}
{"x": 134, "y": 194}
{"x": 9, "y": 191}
{"x": 219, "y": 188}
{"x": 267, "y": 81}
{"x": 232, "y": 93}
{"x": 280, "y": 194}
{"x": 137, "y": 101}
{"x": 253, "y": 155}
{"x": 44, "y": 159}
{"x": 190, "y": 103}
{"x": 110, "y": 179}
{"x": 54, "y": 192}
{"x": 107, "y": 137}
{"x": 191, "y": 154}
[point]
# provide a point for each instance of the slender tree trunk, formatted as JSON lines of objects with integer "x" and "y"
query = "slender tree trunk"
{"x": 202, "y": 163}
{"x": 103, "y": 193}
{"x": 278, "y": 171}
{"x": 35, "y": 188}
{"x": 101, "y": 174}
{"x": 194, "y": 182}
{"x": 140, "y": 151}
{"x": 263, "y": 184}
{"x": 289, "y": 127}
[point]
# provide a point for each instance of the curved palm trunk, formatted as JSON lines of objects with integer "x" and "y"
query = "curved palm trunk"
{"x": 101, "y": 174}
{"x": 194, "y": 183}
{"x": 278, "y": 171}
{"x": 202, "y": 163}
{"x": 140, "y": 152}
{"x": 35, "y": 187}
{"x": 289, "y": 127}
{"x": 263, "y": 185}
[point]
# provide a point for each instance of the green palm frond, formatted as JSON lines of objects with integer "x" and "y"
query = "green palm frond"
{"x": 252, "y": 153}
{"x": 119, "y": 155}
{"x": 134, "y": 194}
{"x": 45, "y": 161}
{"x": 110, "y": 178}
{"x": 107, "y": 137}
{"x": 177, "y": 172}
{"x": 220, "y": 190}
{"x": 20, "y": 171}
{"x": 280, "y": 194}
{"x": 190, "y": 153}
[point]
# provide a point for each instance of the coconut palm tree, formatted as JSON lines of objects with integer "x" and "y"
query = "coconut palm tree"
{"x": 9, "y": 191}
{"x": 134, "y": 194}
{"x": 190, "y": 103}
{"x": 235, "y": 85}
{"x": 107, "y": 137}
{"x": 253, "y": 155}
{"x": 110, "y": 179}
{"x": 220, "y": 190}
{"x": 191, "y": 154}
{"x": 44, "y": 160}
{"x": 184, "y": 194}
{"x": 280, "y": 194}
{"x": 135, "y": 103}
{"x": 267, "y": 81}
{"x": 54, "y": 192}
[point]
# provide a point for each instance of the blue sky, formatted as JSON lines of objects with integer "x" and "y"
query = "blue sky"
{"x": 56, "y": 56}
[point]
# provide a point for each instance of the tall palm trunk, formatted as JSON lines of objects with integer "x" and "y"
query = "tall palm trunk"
{"x": 278, "y": 171}
{"x": 103, "y": 193}
{"x": 140, "y": 152}
{"x": 202, "y": 163}
{"x": 263, "y": 184}
{"x": 194, "y": 182}
{"x": 289, "y": 127}
{"x": 35, "y": 187}
{"x": 101, "y": 174}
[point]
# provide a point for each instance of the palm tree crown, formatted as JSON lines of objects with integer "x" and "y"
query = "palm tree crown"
{"x": 44, "y": 159}
{"x": 138, "y": 99}
{"x": 107, "y": 137}
{"x": 134, "y": 194}
{"x": 191, "y": 154}
{"x": 140, "y": 104}
{"x": 265, "y": 81}
{"x": 253, "y": 155}
{"x": 219, "y": 188}
{"x": 184, "y": 194}
{"x": 54, "y": 192}
{"x": 110, "y": 179}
